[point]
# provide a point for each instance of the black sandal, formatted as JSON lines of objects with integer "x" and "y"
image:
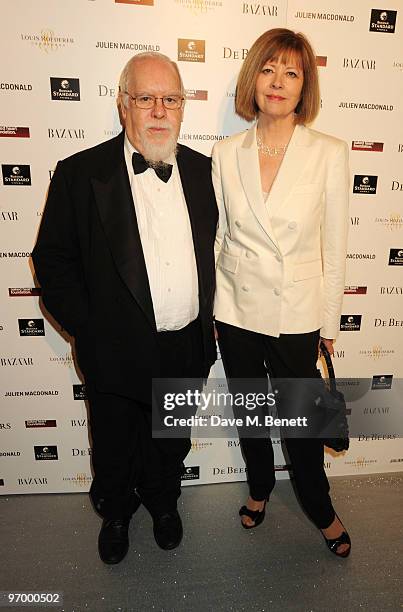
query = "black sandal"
{"x": 257, "y": 516}
{"x": 333, "y": 545}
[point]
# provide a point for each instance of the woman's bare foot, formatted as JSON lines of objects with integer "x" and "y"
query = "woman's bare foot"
{"x": 333, "y": 532}
{"x": 253, "y": 505}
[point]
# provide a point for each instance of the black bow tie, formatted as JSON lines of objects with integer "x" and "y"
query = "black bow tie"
{"x": 163, "y": 171}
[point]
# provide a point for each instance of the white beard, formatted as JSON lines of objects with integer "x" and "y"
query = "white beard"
{"x": 155, "y": 151}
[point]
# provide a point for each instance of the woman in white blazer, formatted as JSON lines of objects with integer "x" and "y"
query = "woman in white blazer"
{"x": 282, "y": 192}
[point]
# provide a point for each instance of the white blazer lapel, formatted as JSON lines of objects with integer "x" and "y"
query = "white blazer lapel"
{"x": 248, "y": 164}
{"x": 290, "y": 170}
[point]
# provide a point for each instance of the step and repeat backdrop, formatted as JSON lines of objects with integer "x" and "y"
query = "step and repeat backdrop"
{"x": 58, "y": 86}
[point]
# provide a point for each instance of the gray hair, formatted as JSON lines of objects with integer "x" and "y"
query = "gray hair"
{"x": 124, "y": 77}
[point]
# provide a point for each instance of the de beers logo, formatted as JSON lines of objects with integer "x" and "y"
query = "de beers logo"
{"x": 191, "y": 50}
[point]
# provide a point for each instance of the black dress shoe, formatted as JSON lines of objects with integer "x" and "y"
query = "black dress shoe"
{"x": 168, "y": 530}
{"x": 113, "y": 540}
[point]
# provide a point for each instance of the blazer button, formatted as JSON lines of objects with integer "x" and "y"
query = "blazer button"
{"x": 278, "y": 257}
{"x": 245, "y": 288}
{"x": 238, "y": 223}
{"x": 292, "y": 225}
{"x": 277, "y": 291}
{"x": 248, "y": 254}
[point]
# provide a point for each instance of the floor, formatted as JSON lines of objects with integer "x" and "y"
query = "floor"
{"x": 49, "y": 544}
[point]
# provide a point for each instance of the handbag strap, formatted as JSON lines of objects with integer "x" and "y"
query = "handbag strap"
{"x": 329, "y": 366}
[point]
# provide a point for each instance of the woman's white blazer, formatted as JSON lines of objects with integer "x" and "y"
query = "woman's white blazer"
{"x": 281, "y": 263}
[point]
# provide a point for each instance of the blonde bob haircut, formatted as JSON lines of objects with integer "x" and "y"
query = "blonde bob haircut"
{"x": 279, "y": 44}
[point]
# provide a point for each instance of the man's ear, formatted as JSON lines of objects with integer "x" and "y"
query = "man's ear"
{"x": 121, "y": 108}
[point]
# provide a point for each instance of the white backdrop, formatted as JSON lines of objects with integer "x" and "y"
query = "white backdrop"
{"x": 58, "y": 85}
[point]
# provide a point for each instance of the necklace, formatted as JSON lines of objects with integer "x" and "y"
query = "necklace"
{"x": 272, "y": 151}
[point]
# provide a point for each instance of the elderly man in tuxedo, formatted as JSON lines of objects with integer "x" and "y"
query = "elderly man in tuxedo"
{"x": 125, "y": 259}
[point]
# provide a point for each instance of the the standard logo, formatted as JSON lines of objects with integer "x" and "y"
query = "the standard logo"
{"x": 14, "y": 174}
{"x": 383, "y": 381}
{"x": 191, "y": 50}
{"x": 46, "y": 453}
{"x": 364, "y": 183}
{"x": 321, "y": 60}
{"x": 14, "y": 132}
{"x": 395, "y": 257}
{"x": 350, "y": 322}
{"x": 382, "y": 21}
{"x": 64, "y": 89}
{"x": 191, "y": 473}
{"x": 366, "y": 145}
{"x": 31, "y": 327}
{"x": 79, "y": 392}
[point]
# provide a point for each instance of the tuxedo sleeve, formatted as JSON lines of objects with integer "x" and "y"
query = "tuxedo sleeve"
{"x": 57, "y": 258}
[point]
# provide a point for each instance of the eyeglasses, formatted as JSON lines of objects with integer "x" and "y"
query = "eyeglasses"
{"x": 146, "y": 101}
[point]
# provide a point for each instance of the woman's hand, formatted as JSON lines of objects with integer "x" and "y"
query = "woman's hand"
{"x": 328, "y": 344}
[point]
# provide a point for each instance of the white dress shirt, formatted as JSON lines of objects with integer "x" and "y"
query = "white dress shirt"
{"x": 166, "y": 239}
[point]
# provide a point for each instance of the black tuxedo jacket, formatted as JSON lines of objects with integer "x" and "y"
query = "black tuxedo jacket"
{"x": 89, "y": 261}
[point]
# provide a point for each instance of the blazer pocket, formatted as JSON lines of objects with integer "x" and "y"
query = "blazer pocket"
{"x": 228, "y": 262}
{"x": 307, "y": 188}
{"x": 306, "y": 270}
